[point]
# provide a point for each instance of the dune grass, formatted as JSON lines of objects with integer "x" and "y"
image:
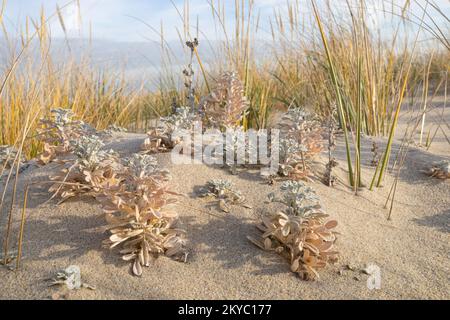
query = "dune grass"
{"x": 313, "y": 61}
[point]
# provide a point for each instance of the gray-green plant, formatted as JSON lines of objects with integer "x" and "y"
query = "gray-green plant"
{"x": 181, "y": 119}
{"x": 113, "y": 128}
{"x": 7, "y": 156}
{"x": 90, "y": 152}
{"x": 300, "y": 199}
{"x": 440, "y": 169}
{"x": 225, "y": 192}
{"x": 144, "y": 166}
{"x": 290, "y": 152}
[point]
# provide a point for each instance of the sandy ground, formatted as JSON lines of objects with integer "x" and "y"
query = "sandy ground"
{"x": 412, "y": 250}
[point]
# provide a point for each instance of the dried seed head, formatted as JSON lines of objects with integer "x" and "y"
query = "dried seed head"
{"x": 192, "y": 44}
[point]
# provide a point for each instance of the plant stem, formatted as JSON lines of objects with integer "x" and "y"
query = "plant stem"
{"x": 338, "y": 92}
{"x": 22, "y": 225}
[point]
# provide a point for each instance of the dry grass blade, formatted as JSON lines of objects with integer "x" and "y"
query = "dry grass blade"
{"x": 22, "y": 226}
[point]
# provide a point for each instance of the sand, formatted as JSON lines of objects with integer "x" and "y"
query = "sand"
{"x": 412, "y": 249}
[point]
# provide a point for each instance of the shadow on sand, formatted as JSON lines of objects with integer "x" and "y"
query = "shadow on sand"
{"x": 225, "y": 239}
{"x": 440, "y": 221}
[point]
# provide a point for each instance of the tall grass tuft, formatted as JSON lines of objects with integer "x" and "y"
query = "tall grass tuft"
{"x": 304, "y": 55}
{"x": 33, "y": 83}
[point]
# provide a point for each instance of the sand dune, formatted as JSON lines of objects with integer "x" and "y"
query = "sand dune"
{"x": 411, "y": 249}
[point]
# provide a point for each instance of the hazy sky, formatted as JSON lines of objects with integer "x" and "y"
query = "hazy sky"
{"x": 121, "y": 41}
{"x": 118, "y": 19}
{"x": 113, "y": 19}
